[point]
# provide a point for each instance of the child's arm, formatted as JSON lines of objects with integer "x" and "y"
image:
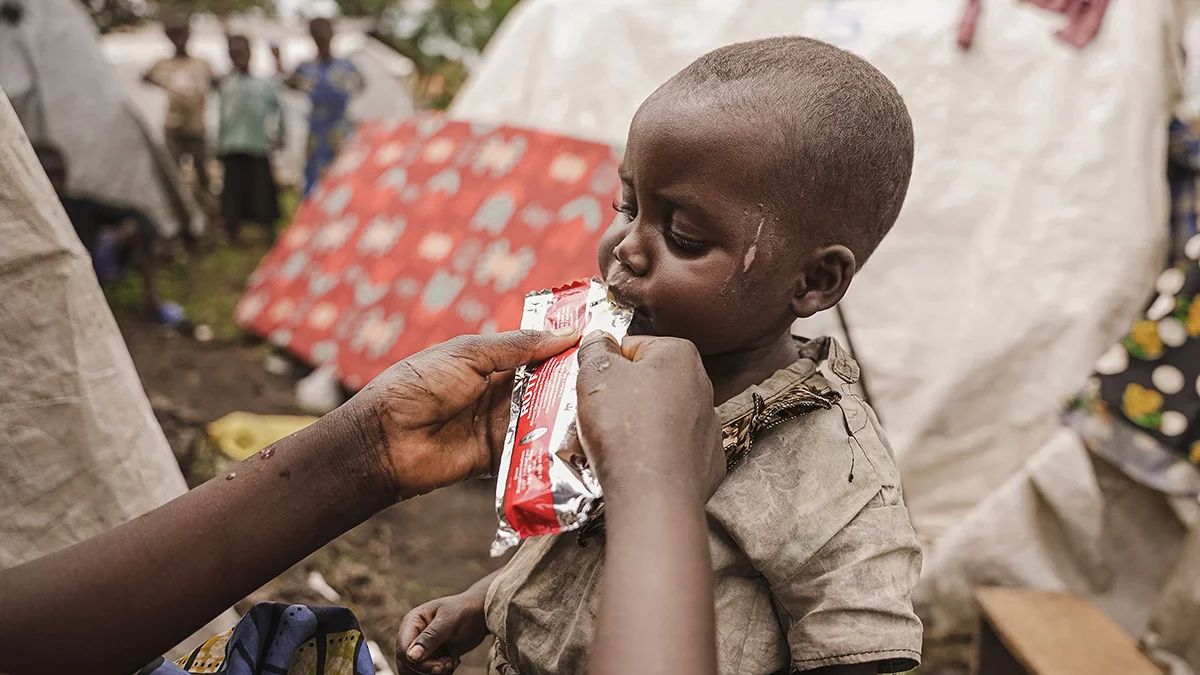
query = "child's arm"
{"x": 275, "y": 112}
{"x": 435, "y": 635}
{"x": 151, "y": 76}
{"x": 111, "y": 214}
{"x": 656, "y": 607}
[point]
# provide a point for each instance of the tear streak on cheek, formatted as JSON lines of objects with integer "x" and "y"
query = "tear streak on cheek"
{"x": 751, "y": 252}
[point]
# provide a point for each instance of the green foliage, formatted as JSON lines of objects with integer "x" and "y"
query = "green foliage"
{"x": 439, "y": 39}
{"x": 218, "y": 7}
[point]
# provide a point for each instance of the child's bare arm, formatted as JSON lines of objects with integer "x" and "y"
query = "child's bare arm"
{"x": 656, "y": 609}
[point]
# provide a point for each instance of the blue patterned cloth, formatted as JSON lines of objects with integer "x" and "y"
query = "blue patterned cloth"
{"x": 330, "y": 85}
{"x": 278, "y": 639}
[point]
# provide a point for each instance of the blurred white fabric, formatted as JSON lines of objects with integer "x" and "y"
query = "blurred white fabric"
{"x": 111, "y": 156}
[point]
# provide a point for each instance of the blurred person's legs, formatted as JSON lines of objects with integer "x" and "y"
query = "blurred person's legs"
{"x": 182, "y": 144}
{"x": 249, "y": 195}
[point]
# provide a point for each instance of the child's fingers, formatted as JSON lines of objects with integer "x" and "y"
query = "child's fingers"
{"x": 442, "y": 666}
{"x": 439, "y": 666}
{"x": 438, "y": 629}
{"x": 410, "y": 627}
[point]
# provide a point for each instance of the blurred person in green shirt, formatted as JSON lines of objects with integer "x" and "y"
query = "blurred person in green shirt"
{"x": 251, "y": 127}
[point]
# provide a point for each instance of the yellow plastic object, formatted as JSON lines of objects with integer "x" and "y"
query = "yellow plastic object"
{"x": 241, "y": 434}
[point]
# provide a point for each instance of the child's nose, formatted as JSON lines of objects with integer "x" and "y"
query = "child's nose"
{"x": 630, "y": 253}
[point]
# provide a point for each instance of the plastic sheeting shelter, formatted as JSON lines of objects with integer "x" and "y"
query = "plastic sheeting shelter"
{"x": 80, "y": 449}
{"x": 1032, "y": 232}
{"x": 111, "y": 156}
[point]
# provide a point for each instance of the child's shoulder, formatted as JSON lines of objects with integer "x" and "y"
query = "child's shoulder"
{"x": 816, "y": 454}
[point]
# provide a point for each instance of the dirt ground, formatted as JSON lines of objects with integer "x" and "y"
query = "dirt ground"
{"x": 393, "y": 562}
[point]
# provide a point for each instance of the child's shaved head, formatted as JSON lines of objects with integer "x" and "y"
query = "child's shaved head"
{"x": 844, "y": 138}
{"x": 754, "y": 184}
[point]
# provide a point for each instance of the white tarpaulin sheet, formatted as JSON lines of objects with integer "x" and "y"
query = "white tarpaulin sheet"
{"x": 80, "y": 449}
{"x": 1032, "y": 232}
{"x": 110, "y": 155}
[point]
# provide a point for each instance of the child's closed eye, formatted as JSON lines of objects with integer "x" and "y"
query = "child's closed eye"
{"x": 629, "y": 211}
{"x": 683, "y": 243}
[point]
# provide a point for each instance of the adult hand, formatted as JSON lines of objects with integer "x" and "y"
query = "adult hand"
{"x": 646, "y": 413}
{"x": 647, "y": 426}
{"x": 439, "y": 416}
{"x": 433, "y": 419}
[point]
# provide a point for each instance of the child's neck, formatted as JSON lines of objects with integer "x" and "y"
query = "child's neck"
{"x": 733, "y": 372}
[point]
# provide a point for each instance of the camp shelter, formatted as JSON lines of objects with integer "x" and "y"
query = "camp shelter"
{"x": 87, "y": 115}
{"x": 80, "y": 449}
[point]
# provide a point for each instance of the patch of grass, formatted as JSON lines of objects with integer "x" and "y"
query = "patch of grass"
{"x": 209, "y": 283}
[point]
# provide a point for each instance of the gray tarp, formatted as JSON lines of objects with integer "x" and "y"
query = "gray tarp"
{"x": 80, "y": 449}
{"x": 86, "y": 114}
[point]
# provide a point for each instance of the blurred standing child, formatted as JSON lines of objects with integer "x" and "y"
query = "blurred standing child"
{"x": 330, "y": 83}
{"x": 251, "y": 127}
{"x": 187, "y": 81}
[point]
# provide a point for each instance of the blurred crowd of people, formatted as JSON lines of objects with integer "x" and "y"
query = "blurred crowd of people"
{"x": 250, "y": 130}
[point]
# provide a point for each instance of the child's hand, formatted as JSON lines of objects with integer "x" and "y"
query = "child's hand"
{"x": 435, "y": 635}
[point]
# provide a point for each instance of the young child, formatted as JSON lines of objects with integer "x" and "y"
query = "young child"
{"x": 116, "y": 237}
{"x": 330, "y": 83}
{"x": 187, "y": 80}
{"x": 755, "y": 183}
{"x": 251, "y": 127}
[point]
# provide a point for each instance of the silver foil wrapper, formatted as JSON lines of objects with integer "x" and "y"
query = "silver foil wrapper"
{"x": 542, "y": 488}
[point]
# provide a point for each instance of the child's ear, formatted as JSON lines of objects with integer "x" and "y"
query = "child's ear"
{"x": 825, "y": 276}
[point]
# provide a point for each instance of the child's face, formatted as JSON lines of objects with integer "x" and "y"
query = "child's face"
{"x": 239, "y": 54}
{"x": 698, "y": 249}
{"x": 322, "y": 34}
{"x": 178, "y": 34}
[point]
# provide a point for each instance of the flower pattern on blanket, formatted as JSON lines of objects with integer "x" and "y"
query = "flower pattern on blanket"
{"x": 429, "y": 229}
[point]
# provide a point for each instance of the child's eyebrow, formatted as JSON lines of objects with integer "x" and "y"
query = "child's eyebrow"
{"x": 686, "y": 202}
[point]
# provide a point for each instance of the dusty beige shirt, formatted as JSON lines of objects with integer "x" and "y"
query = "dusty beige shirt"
{"x": 187, "y": 81}
{"x": 814, "y": 557}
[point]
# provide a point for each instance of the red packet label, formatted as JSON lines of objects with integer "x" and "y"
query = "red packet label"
{"x": 537, "y": 492}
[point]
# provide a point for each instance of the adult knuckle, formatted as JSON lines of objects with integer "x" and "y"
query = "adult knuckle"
{"x": 528, "y": 335}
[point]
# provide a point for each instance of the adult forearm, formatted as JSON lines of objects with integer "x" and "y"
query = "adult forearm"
{"x": 115, "y": 602}
{"x": 656, "y": 612}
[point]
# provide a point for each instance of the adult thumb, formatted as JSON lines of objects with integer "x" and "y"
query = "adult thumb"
{"x": 505, "y": 351}
{"x": 596, "y": 353}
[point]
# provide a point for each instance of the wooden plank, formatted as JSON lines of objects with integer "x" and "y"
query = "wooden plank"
{"x": 1059, "y": 634}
